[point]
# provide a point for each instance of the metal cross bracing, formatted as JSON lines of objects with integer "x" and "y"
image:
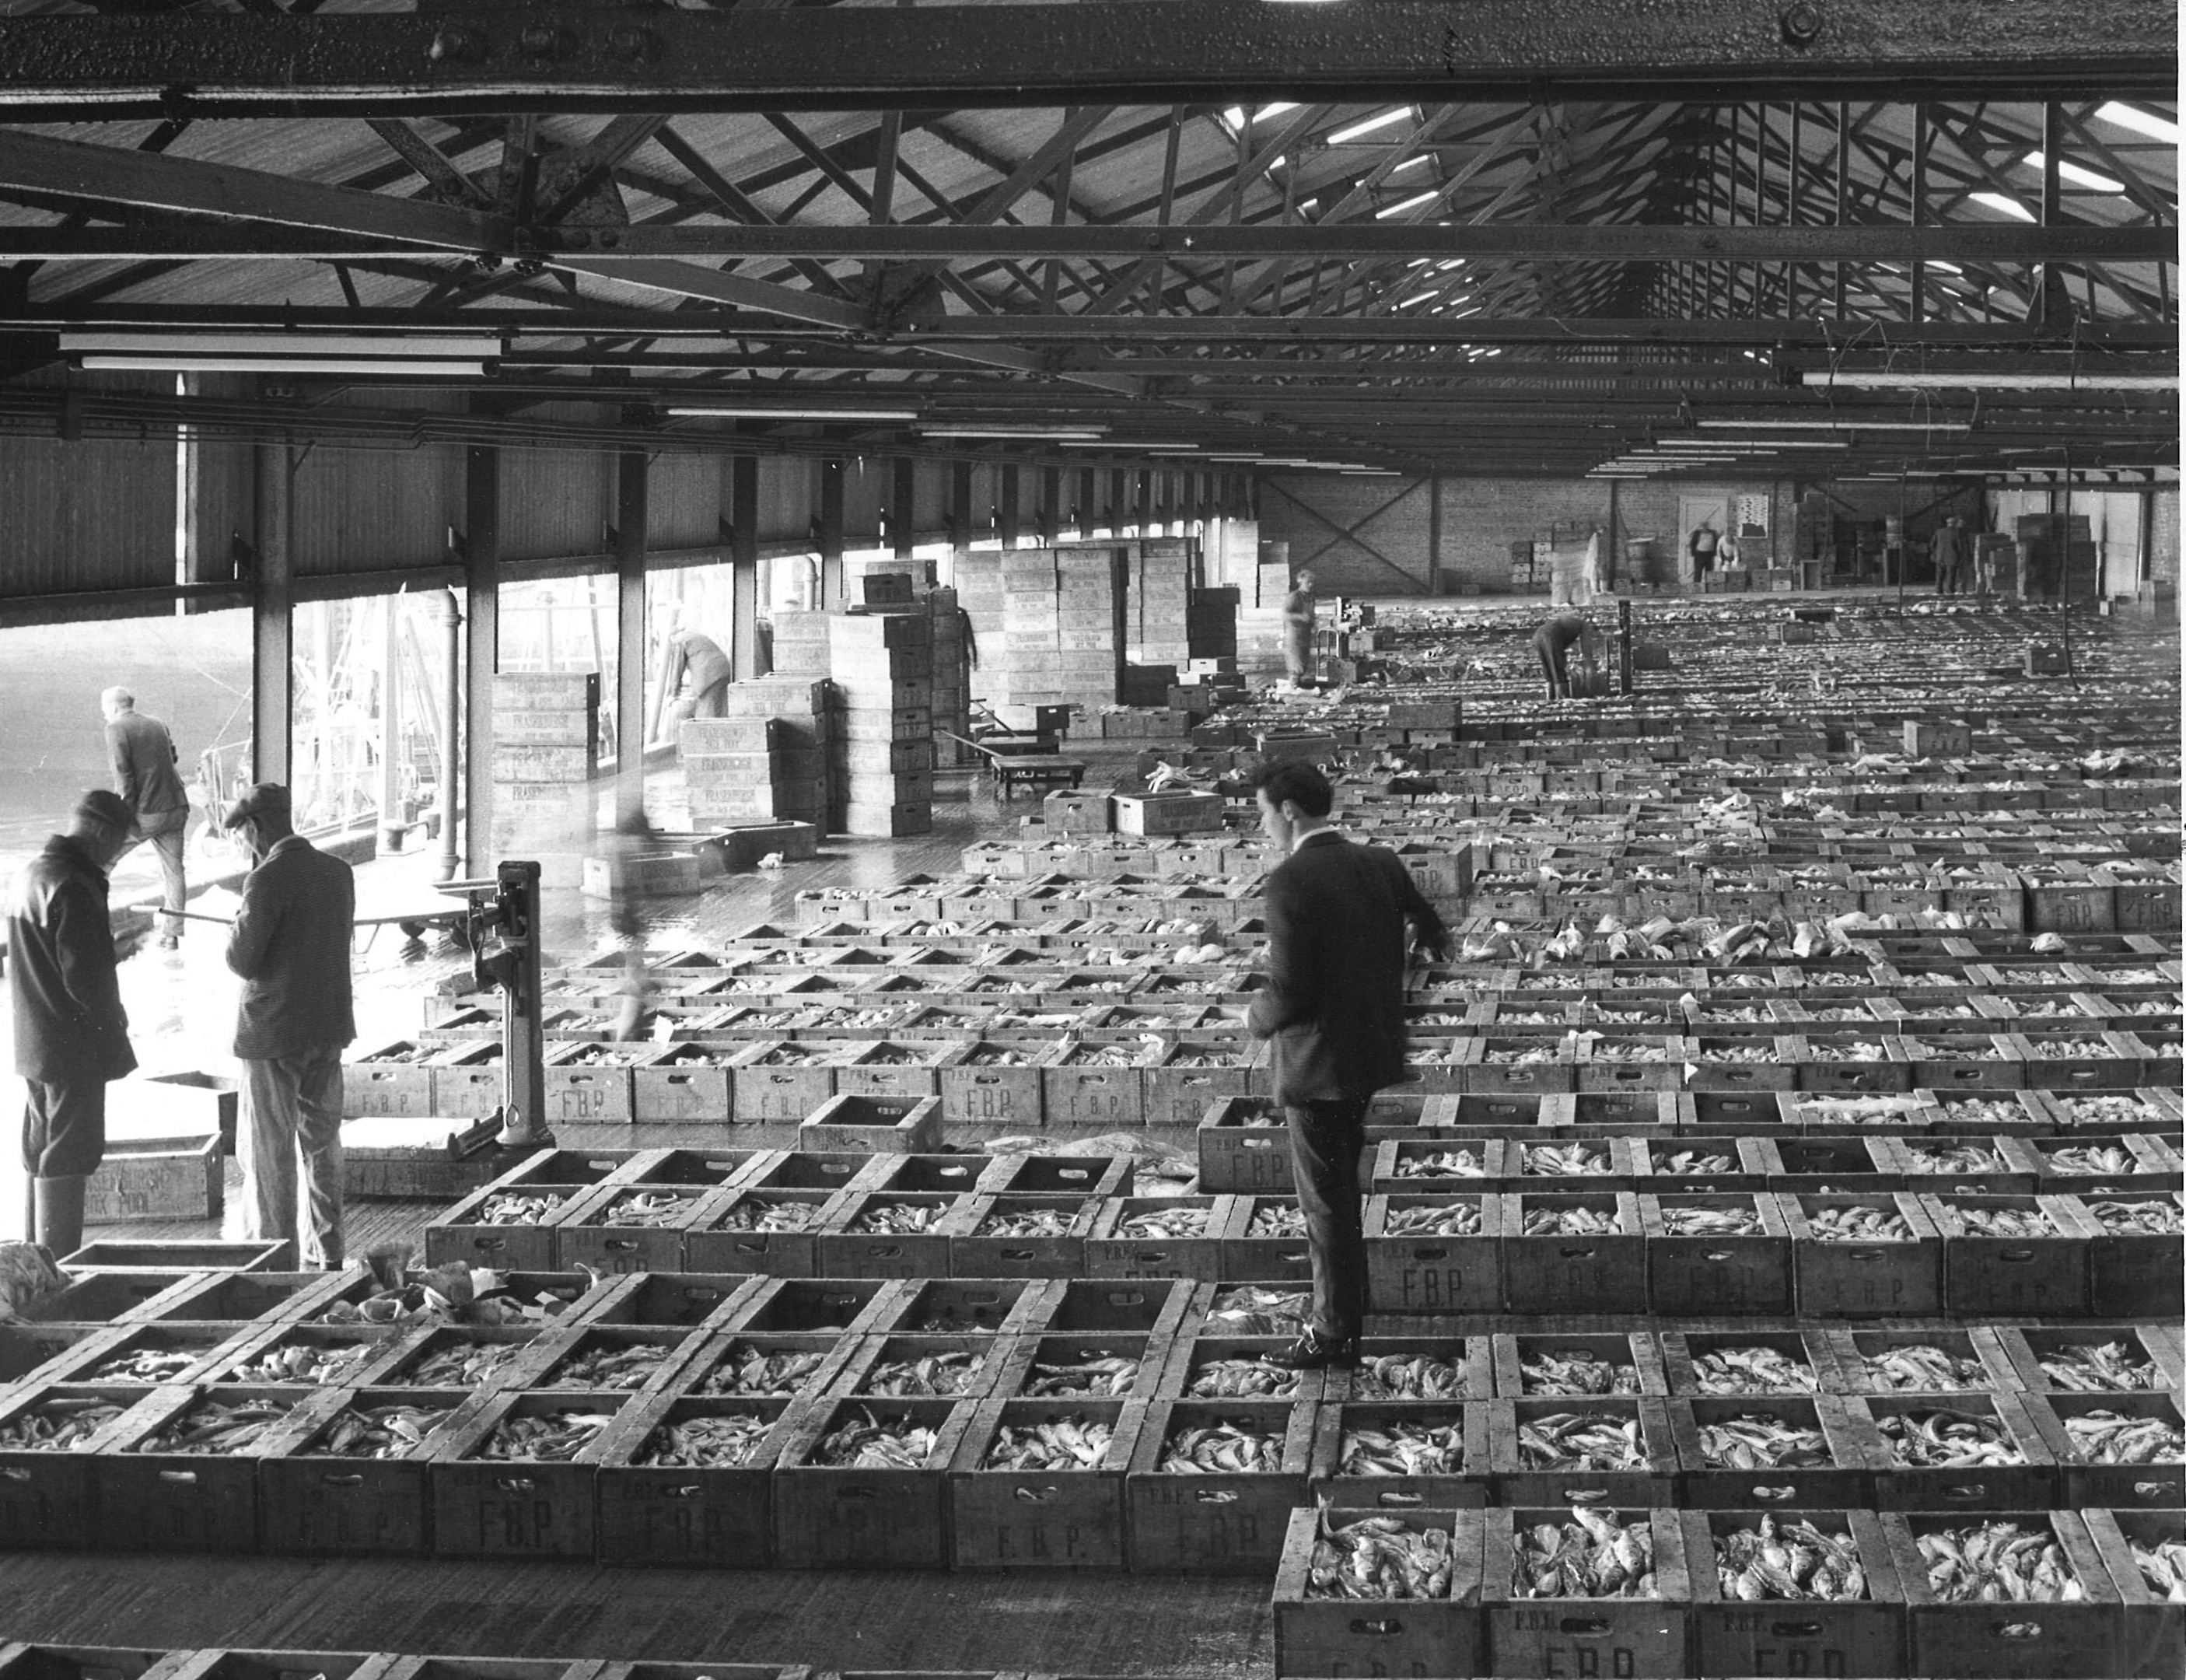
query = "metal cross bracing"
{"x": 1401, "y": 283}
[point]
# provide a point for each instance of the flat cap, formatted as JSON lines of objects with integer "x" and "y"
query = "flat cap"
{"x": 265, "y": 796}
{"x": 110, "y": 808}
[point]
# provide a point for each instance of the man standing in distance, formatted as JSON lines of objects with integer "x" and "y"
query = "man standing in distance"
{"x": 1298, "y": 629}
{"x": 71, "y": 1033}
{"x": 290, "y": 944}
{"x": 143, "y": 755}
{"x": 1334, "y": 1004}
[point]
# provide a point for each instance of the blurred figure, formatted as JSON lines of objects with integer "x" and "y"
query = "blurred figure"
{"x": 1552, "y": 644}
{"x": 1298, "y": 629}
{"x": 143, "y": 756}
{"x": 1949, "y": 549}
{"x": 708, "y": 672}
{"x": 1701, "y": 545}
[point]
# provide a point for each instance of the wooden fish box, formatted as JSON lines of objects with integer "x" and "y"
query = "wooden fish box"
{"x": 1512, "y": 1353}
{"x": 976, "y": 1090}
{"x": 118, "y": 1254}
{"x": 686, "y": 1516}
{"x": 1520, "y": 1480}
{"x": 1180, "y": 1088}
{"x": 1089, "y": 1306}
{"x": 464, "y": 1234}
{"x": 1244, "y": 1147}
{"x": 1552, "y": 1639}
{"x": 1713, "y": 1275}
{"x": 518, "y": 1508}
{"x": 688, "y": 1082}
{"x": 1422, "y": 1272}
{"x": 1867, "y": 1279}
{"x": 1987, "y": 1277}
{"x": 1466, "y": 1488}
{"x": 959, "y": 1307}
{"x": 149, "y": 1178}
{"x": 313, "y": 1503}
{"x": 590, "y": 1239}
{"x": 1402, "y": 1166}
{"x": 1011, "y": 1518}
{"x": 1111, "y": 1252}
{"x": 2134, "y": 1271}
{"x": 1222, "y": 1522}
{"x": 2033, "y": 1483}
{"x": 1269, "y": 1255}
{"x": 976, "y": 1252}
{"x": 1442, "y": 1636}
{"x": 163, "y": 1500}
{"x": 1576, "y": 1273}
{"x": 763, "y": 1088}
{"x": 2150, "y": 1629}
{"x": 1862, "y": 1640}
{"x": 2026, "y": 1346}
{"x": 388, "y": 1079}
{"x": 714, "y": 1242}
{"x": 843, "y": 1250}
{"x": 1682, "y": 1349}
{"x": 1078, "y": 1093}
{"x": 1097, "y": 1176}
{"x": 1845, "y": 1482}
{"x": 803, "y": 1306}
{"x": 2156, "y": 1484}
{"x": 830, "y": 1517}
{"x": 876, "y": 1125}
{"x": 2065, "y": 1641}
{"x": 47, "y": 1498}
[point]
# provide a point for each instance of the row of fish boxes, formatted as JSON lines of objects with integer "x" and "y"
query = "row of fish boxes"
{"x": 1218, "y": 899}
{"x": 1030, "y": 1084}
{"x": 1042, "y": 852}
{"x": 2034, "y": 1010}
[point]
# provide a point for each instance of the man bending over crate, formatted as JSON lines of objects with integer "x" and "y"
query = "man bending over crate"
{"x": 1334, "y": 1004}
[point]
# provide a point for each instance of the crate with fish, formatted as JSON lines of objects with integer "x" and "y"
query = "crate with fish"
{"x": 1573, "y": 1253}
{"x": 1039, "y": 1484}
{"x": 776, "y": 1081}
{"x": 1864, "y": 1256}
{"x": 1948, "y": 1062}
{"x": 1561, "y": 1365}
{"x": 930, "y": 1367}
{"x": 1514, "y": 1066}
{"x": 1159, "y": 1237}
{"x": 1939, "y": 1361}
{"x": 589, "y": 1084}
{"x": 1235, "y": 1367}
{"x": 1718, "y": 1063}
{"x": 1750, "y": 1453}
{"x": 990, "y": 1307}
{"x": 1090, "y": 1084}
{"x": 996, "y": 1083}
{"x": 2107, "y": 1358}
{"x": 683, "y": 1082}
{"x": 1758, "y": 1362}
{"x": 2005, "y": 1592}
{"x": 1438, "y": 1163}
{"x": 2144, "y": 1554}
{"x": 862, "y": 1483}
{"x": 1849, "y": 1064}
{"x": 514, "y": 1477}
{"x": 1195, "y": 1073}
{"x": 150, "y": 1356}
{"x": 36, "y": 1353}
{"x": 2081, "y": 1163}
{"x": 1591, "y": 1164}
{"x": 509, "y": 1230}
{"x": 2083, "y": 1061}
{"x": 1088, "y": 1365}
{"x": 2125, "y": 1450}
{"x": 1963, "y": 1164}
{"x": 1085, "y": 1305}
{"x": 1021, "y": 1236}
{"x": 1545, "y": 1450}
{"x": 479, "y": 1357}
{"x": 2152, "y": 1109}
{"x": 1720, "y": 1166}
{"x": 757, "y": 1228}
{"x": 2013, "y": 1255}
{"x": 1589, "y": 1589}
{"x": 51, "y": 1435}
{"x": 1434, "y": 1253}
{"x": 1401, "y": 1454}
{"x": 1807, "y": 1590}
{"x": 1259, "y": 1309}
{"x": 767, "y": 1365}
{"x": 392, "y": 1079}
{"x": 598, "y": 1358}
{"x": 1626, "y": 1061}
{"x": 349, "y": 1475}
{"x": 1716, "y": 1255}
{"x": 1265, "y": 1241}
{"x": 1059, "y": 1175}
{"x": 1964, "y": 1451}
{"x": 181, "y": 1474}
{"x": 686, "y": 1480}
{"x": 803, "y": 1306}
{"x": 1806, "y": 1165}
{"x": 896, "y": 1076}
{"x": 1393, "y": 1592}
{"x": 1211, "y": 1483}
{"x": 882, "y": 1233}
{"x": 632, "y": 1227}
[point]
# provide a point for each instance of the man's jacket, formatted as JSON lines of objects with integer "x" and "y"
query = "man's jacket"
{"x": 143, "y": 755}
{"x": 290, "y": 944}
{"x": 70, "y": 1024}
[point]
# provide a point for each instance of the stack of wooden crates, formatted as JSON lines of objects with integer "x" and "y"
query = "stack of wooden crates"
{"x": 765, "y": 760}
{"x": 546, "y": 755}
{"x": 1159, "y": 605}
{"x": 952, "y": 676}
{"x": 881, "y": 761}
{"x": 1059, "y": 625}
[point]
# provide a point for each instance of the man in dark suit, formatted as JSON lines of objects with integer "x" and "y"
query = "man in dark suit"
{"x": 145, "y": 775}
{"x": 290, "y": 944}
{"x": 1334, "y": 1004}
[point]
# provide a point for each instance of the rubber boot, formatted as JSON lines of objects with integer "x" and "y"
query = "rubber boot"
{"x": 60, "y": 1213}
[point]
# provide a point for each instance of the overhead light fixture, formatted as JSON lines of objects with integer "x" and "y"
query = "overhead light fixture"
{"x": 2073, "y": 172}
{"x": 1027, "y": 432}
{"x": 2140, "y": 122}
{"x": 272, "y": 346}
{"x": 1412, "y": 203}
{"x": 875, "y": 414}
{"x": 1756, "y": 446}
{"x": 411, "y": 366}
{"x": 1883, "y": 380}
{"x": 2004, "y": 206}
{"x": 1836, "y": 425}
{"x": 1409, "y": 163}
{"x": 1344, "y": 137}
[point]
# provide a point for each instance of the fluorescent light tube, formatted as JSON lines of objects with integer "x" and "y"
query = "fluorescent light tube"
{"x": 1013, "y": 431}
{"x": 1412, "y": 203}
{"x": 1882, "y": 379}
{"x": 271, "y": 345}
{"x": 280, "y": 364}
{"x": 1837, "y": 426}
{"x": 1344, "y": 137}
{"x": 696, "y": 413}
{"x": 2140, "y": 122}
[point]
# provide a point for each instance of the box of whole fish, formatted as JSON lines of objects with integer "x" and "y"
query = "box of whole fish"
{"x": 1565, "y": 1365}
{"x": 1159, "y": 1237}
{"x": 1963, "y": 1062}
{"x": 2023, "y": 1256}
{"x": 350, "y": 1477}
{"x": 480, "y": 1358}
{"x": 589, "y": 1084}
{"x": 758, "y": 1228}
{"x": 514, "y": 1475}
{"x": 2123, "y": 1450}
{"x": 2111, "y": 1358}
{"x": 1039, "y": 1484}
{"x": 685, "y": 1082}
{"x": 1955, "y": 1451}
{"x": 1716, "y": 1255}
{"x": 1696, "y": 1166}
{"x": 1434, "y": 1254}
{"x": 596, "y": 1358}
{"x": 180, "y": 1475}
{"x": 913, "y": 1367}
{"x": 1574, "y": 1253}
{"x": 509, "y": 1230}
{"x": 686, "y": 1480}
{"x": 310, "y": 1355}
{"x": 1212, "y": 1484}
{"x": 1087, "y": 1084}
{"x": 1796, "y": 1591}
{"x": 147, "y": 1356}
{"x": 992, "y": 1307}
{"x": 1235, "y": 1367}
{"x": 1089, "y": 1365}
{"x": 1599, "y": 1163}
{"x": 35, "y": 1353}
{"x": 1439, "y": 1164}
{"x": 51, "y": 1436}
{"x": 776, "y": 1081}
{"x": 1606, "y": 1447}
{"x": 1376, "y": 1455}
{"x": 1021, "y": 1236}
{"x": 994, "y": 1083}
{"x": 862, "y": 1483}
{"x": 1765, "y": 1453}
{"x": 1416, "y": 1368}
{"x": 1194, "y": 1073}
{"x": 2133, "y": 1263}
{"x": 2005, "y": 1592}
{"x": 2144, "y": 1552}
{"x": 2129, "y": 1160}
{"x": 1992, "y": 1166}
{"x": 1921, "y": 1362}
{"x": 631, "y": 1227}
{"x": 1864, "y": 1256}
{"x": 1587, "y": 1589}
{"x": 1394, "y": 1592}
{"x": 1265, "y": 1241}
{"x": 779, "y": 1365}
{"x": 1749, "y": 1361}
{"x": 848, "y": 1306}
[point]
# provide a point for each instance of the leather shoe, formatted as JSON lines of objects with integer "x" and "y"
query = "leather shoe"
{"x": 170, "y": 942}
{"x": 1313, "y": 1352}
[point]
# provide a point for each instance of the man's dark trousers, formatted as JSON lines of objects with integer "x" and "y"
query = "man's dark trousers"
{"x": 1325, "y": 1141}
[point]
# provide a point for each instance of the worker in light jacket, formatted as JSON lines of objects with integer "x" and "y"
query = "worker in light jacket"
{"x": 1298, "y": 629}
{"x": 290, "y": 944}
{"x": 1337, "y": 917}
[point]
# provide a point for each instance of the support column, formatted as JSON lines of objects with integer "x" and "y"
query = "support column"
{"x": 1434, "y": 533}
{"x": 482, "y": 608}
{"x": 903, "y": 508}
{"x": 1119, "y": 499}
{"x": 959, "y": 513}
{"x": 1049, "y": 514}
{"x": 1007, "y": 525}
{"x": 273, "y": 688}
{"x": 831, "y": 536}
{"x": 744, "y": 566}
{"x": 631, "y": 512}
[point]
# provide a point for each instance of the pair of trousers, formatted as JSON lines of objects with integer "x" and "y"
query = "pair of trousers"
{"x": 63, "y": 1127}
{"x": 291, "y": 1112}
{"x": 165, "y": 830}
{"x": 1325, "y": 1141}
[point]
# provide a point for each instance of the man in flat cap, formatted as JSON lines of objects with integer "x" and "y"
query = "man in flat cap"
{"x": 146, "y": 777}
{"x": 71, "y": 1033}
{"x": 291, "y": 944}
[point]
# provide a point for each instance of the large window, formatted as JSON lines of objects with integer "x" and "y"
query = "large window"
{"x": 565, "y": 623}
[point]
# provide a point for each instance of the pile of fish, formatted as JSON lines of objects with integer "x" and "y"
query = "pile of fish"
{"x": 214, "y": 1427}
{"x": 1751, "y": 1370}
{"x": 1402, "y": 1448}
{"x": 152, "y": 1365}
{"x": 2158, "y": 1217}
{"x": 928, "y": 1375}
{"x": 2163, "y": 1567}
{"x": 1249, "y": 1310}
{"x": 1860, "y": 1222}
{"x": 1998, "y": 1563}
{"x": 1407, "y": 1376}
{"x": 1950, "y": 1441}
{"x": 1171, "y": 1223}
{"x": 468, "y": 1295}
{"x": 1031, "y": 1221}
{"x": 58, "y": 1425}
{"x": 1452, "y": 1219}
{"x": 864, "y": 1442}
{"x": 710, "y": 1443}
{"x": 997, "y": 1055}
{"x": 2121, "y": 1438}
{"x": 1793, "y": 1560}
{"x": 655, "y": 1210}
{"x": 2120, "y": 1111}
{"x": 1072, "y": 1443}
{"x": 745, "y": 1369}
{"x": 2097, "y": 1367}
{"x": 1580, "y": 1441}
{"x": 377, "y": 1431}
{"x": 2001, "y": 1222}
{"x": 551, "y": 1437}
{"x": 512, "y": 1207}
{"x": 1277, "y": 1219}
{"x": 1222, "y": 1448}
{"x": 1497, "y": 1055}
{"x": 1593, "y": 1556}
{"x": 1095, "y": 1376}
{"x": 1921, "y": 1368}
{"x": 2094, "y": 1159}
{"x": 303, "y": 1363}
{"x": 610, "y": 1368}
{"x": 1959, "y": 1157}
{"x": 1734, "y": 1050}
{"x": 1691, "y": 1162}
{"x": 1574, "y": 1371}
{"x": 1983, "y": 1111}
{"x": 1102, "y": 1055}
{"x": 1569, "y": 1161}
{"x": 757, "y": 1213}
{"x": 1711, "y": 1222}
{"x": 1570, "y": 1221}
{"x": 464, "y": 1365}
{"x": 899, "y": 1219}
{"x": 1242, "y": 1379}
{"x": 1755, "y": 1440}
{"x": 1855, "y": 1050}
{"x": 1378, "y": 1559}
